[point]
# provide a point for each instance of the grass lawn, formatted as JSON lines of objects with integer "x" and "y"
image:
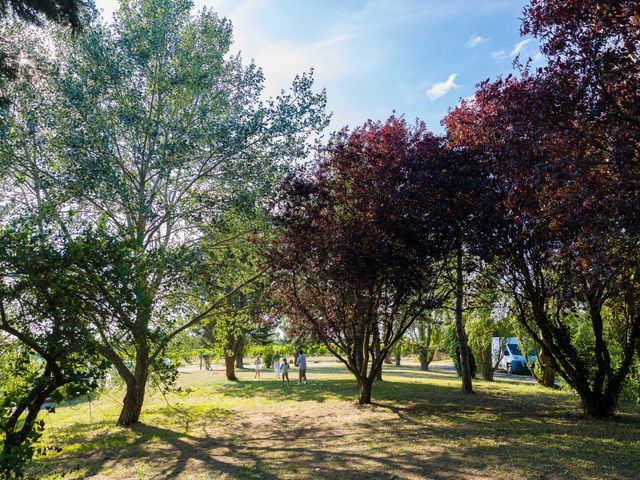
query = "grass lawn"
{"x": 421, "y": 427}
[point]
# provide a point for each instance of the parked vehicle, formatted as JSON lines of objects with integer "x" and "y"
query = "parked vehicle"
{"x": 506, "y": 353}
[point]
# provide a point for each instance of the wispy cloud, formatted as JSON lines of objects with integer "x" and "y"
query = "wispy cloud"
{"x": 334, "y": 52}
{"x": 499, "y": 55}
{"x": 440, "y": 89}
{"x": 518, "y": 48}
{"x": 476, "y": 40}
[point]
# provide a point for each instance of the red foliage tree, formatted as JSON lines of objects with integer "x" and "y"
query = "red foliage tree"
{"x": 593, "y": 46}
{"x": 361, "y": 253}
{"x": 562, "y": 145}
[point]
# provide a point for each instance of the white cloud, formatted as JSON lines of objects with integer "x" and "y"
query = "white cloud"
{"x": 440, "y": 89}
{"x": 476, "y": 40}
{"x": 518, "y": 48}
{"x": 499, "y": 55}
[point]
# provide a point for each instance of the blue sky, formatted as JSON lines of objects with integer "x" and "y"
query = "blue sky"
{"x": 417, "y": 57}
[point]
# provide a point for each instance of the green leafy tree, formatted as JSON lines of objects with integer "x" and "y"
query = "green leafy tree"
{"x": 47, "y": 289}
{"x": 424, "y": 339}
{"x": 482, "y": 325}
{"x": 52, "y": 269}
{"x": 163, "y": 131}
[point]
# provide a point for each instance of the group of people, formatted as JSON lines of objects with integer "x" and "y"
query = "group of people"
{"x": 281, "y": 368}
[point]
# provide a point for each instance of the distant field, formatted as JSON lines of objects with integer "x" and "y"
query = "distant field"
{"x": 421, "y": 427}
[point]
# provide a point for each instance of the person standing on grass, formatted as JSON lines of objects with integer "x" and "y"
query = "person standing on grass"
{"x": 284, "y": 371}
{"x": 258, "y": 364}
{"x": 276, "y": 363}
{"x": 301, "y": 362}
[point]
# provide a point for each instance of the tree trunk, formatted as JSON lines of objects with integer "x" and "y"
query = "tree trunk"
{"x": 599, "y": 406}
{"x": 465, "y": 364}
{"x": 358, "y": 355}
{"x": 207, "y": 362}
{"x": 548, "y": 374}
{"x": 229, "y": 367}
{"x": 376, "y": 348}
{"x": 238, "y": 352}
{"x": 398, "y": 357}
{"x": 134, "y": 398}
{"x": 32, "y": 403}
{"x": 365, "y": 391}
{"x": 487, "y": 365}
{"x": 387, "y": 359}
{"x": 425, "y": 354}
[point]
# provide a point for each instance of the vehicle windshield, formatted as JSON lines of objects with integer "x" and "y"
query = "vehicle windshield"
{"x": 513, "y": 348}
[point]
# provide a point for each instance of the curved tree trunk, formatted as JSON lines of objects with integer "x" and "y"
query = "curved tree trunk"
{"x": 32, "y": 403}
{"x": 134, "y": 397}
{"x": 230, "y": 353}
{"x": 465, "y": 363}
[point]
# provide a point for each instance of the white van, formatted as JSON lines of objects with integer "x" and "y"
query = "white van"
{"x": 506, "y": 352}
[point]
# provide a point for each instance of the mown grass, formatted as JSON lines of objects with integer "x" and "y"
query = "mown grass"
{"x": 420, "y": 426}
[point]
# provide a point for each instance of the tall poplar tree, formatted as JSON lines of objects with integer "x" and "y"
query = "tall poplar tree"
{"x": 166, "y": 130}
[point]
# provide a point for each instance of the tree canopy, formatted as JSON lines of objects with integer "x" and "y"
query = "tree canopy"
{"x": 361, "y": 253}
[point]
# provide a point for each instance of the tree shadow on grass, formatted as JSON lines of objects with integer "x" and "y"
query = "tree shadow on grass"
{"x": 172, "y": 454}
{"x": 315, "y": 390}
{"x": 542, "y": 442}
{"x": 423, "y": 431}
{"x": 169, "y": 452}
{"x": 392, "y": 389}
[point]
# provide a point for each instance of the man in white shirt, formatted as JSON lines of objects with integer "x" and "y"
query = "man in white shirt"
{"x": 301, "y": 362}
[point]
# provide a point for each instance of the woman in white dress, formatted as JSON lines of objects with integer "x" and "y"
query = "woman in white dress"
{"x": 276, "y": 363}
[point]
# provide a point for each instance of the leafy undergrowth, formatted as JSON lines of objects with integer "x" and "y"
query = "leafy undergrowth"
{"x": 421, "y": 427}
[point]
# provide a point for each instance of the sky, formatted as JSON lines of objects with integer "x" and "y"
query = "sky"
{"x": 415, "y": 57}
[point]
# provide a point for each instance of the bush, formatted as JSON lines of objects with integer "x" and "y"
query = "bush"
{"x": 267, "y": 356}
{"x": 631, "y": 390}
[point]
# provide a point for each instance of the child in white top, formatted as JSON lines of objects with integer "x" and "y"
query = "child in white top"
{"x": 284, "y": 371}
{"x": 258, "y": 364}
